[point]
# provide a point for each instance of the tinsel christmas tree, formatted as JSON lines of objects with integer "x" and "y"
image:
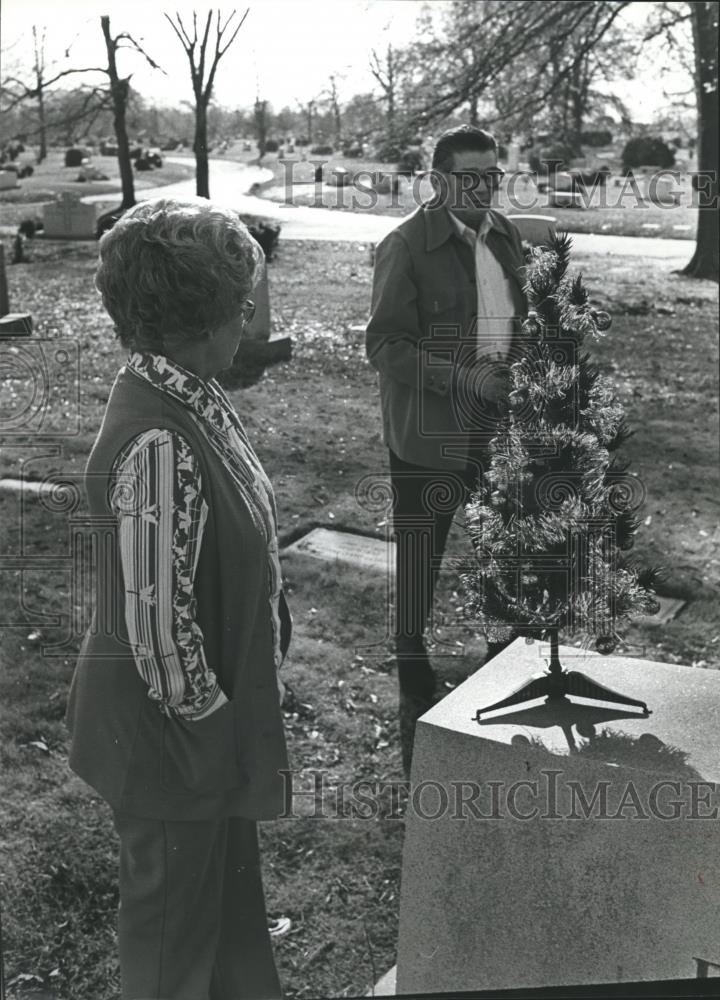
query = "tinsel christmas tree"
{"x": 556, "y": 513}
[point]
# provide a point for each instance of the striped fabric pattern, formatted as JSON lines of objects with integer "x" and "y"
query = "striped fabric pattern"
{"x": 157, "y": 498}
{"x": 218, "y": 420}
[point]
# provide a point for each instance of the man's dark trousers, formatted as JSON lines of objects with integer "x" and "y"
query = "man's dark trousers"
{"x": 425, "y": 502}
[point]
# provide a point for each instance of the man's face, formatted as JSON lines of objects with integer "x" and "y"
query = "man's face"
{"x": 469, "y": 189}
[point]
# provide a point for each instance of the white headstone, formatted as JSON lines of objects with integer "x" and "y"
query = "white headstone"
{"x": 513, "y": 157}
{"x": 69, "y": 218}
{"x": 539, "y": 890}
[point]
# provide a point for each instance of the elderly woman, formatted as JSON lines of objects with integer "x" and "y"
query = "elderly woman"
{"x": 174, "y": 708}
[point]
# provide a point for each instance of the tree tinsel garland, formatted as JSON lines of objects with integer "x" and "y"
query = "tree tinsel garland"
{"x": 556, "y": 510}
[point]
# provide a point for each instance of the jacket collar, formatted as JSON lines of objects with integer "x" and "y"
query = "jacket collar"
{"x": 439, "y": 226}
{"x": 206, "y": 399}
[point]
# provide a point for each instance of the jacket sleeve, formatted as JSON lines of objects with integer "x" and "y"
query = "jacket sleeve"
{"x": 394, "y": 335}
{"x": 158, "y": 500}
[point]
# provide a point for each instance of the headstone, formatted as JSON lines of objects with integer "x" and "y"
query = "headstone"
{"x": 339, "y": 177}
{"x": 535, "y": 229}
{"x": 8, "y": 180}
{"x": 11, "y": 324}
{"x": 662, "y": 190}
{"x": 561, "y": 180}
{"x": 540, "y": 857}
{"x": 565, "y": 199}
{"x": 90, "y": 173}
{"x": 69, "y": 218}
{"x": 341, "y": 546}
{"x": 670, "y": 607}
{"x": 16, "y": 324}
{"x": 260, "y": 326}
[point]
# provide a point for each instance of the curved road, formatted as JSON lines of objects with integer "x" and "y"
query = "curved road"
{"x": 230, "y": 183}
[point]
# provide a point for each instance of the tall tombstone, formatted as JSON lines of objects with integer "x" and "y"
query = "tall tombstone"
{"x": 564, "y": 844}
{"x": 11, "y": 324}
{"x": 260, "y": 326}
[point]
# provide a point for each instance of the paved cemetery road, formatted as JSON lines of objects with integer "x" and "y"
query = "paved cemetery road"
{"x": 230, "y": 182}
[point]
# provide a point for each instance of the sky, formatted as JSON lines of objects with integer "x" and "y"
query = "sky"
{"x": 286, "y": 50}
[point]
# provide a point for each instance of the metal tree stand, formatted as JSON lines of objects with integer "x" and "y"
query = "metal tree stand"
{"x": 556, "y": 684}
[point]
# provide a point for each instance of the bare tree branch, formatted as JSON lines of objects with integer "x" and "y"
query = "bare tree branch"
{"x": 203, "y": 68}
{"x": 138, "y": 48}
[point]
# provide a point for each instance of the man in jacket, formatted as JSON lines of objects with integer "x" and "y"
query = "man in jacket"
{"x": 446, "y": 309}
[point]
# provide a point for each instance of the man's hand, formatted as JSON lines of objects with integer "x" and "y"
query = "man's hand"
{"x": 485, "y": 383}
{"x": 495, "y": 387}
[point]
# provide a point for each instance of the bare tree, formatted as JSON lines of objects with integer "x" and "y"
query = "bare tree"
{"x": 667, "y": 24}
{"x": 308, "y": 111}
{"x": 386, "y": 71}
{"x": 120, "y": 92}
{"x": 18, "y": 91}
{"x": 204, "y": 59}
{"x": 260, "y": 120}
{"x": 333, "y": 100}
{"x": 704, "y": 262}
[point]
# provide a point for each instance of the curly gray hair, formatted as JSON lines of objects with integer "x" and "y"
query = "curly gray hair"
{"x": 174, "y": 270}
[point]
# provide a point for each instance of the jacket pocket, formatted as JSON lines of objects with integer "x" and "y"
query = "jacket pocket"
{"x": 438, "y": 302}
{"x": 200, "y": 758}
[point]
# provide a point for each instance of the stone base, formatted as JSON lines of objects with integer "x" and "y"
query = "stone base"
{"x": 542, "y": 853}
{"x": 16, "y": 324}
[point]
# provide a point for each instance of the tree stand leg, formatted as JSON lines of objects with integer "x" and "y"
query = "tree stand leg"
{"x": 557, "y": 684}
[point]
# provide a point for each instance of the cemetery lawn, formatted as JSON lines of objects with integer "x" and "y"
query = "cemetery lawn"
{"x": 607, "y": 213}
{"x": 51, "y": 178}
{"x": 315, "y": 424}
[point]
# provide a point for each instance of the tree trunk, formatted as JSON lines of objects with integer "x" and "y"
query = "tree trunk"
{"x": 40, "y": 91}
{"x": 119, "y": 90}
{"x": 202, "y": 167}
{"x": 42, "y": 154}
{"x": 473, "y": 110}
{"x": 260, "y": 120}
{"x": 704, "y": 263}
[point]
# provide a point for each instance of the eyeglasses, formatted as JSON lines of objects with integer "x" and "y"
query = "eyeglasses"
{"x": 248, "y": 310}
{"x": 470, "y": 179}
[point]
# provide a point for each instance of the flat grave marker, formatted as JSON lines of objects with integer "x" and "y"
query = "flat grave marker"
{"x": 341, "y": 546}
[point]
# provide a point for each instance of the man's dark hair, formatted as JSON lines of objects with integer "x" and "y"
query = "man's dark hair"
{"x": 463, "y": 139}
